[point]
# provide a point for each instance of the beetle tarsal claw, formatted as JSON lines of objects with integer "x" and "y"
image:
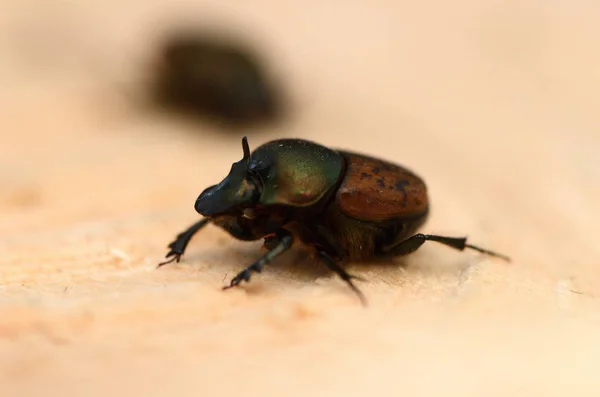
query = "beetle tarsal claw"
{"x": 236, "y": 281}
{"x": 175, "y": 258}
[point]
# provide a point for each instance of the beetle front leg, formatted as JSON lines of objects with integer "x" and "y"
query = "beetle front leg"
{"x": 413, "y": 243}
{"x": 284, "y": 242}
{"x": 180, "y": 243}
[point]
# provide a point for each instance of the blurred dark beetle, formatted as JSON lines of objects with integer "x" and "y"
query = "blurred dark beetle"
{"x": 212, "y": 76}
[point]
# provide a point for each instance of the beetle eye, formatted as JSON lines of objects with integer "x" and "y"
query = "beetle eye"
{"x": 255, "y": 178}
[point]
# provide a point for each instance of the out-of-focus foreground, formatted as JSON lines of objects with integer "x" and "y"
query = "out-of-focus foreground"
{"x": 493, "y": 103}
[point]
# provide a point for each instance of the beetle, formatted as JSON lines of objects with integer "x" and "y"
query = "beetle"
{"x": 346, "y": 206}
{"x": 207, "y": 75}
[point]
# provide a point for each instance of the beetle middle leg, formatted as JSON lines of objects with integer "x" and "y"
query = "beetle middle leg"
{"x": 326, "y": 239}
{"x": 413, "y": 243}
{"x": 347, "y": 277}
{"x": 282, "y": 243}
{"x": 180, "y": 243}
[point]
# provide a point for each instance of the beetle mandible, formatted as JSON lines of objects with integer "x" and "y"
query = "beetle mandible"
{"x": 347, "y": 206}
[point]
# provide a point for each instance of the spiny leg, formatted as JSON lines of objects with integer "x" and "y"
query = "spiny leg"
{"x": 180, "y": 243}
{"x": 413, "y": 243}
{"x": 333, "y": 266}
{"x": 271, "y": 242}
{"x": 326, "y": 236}
{"x": 284, "y": 243}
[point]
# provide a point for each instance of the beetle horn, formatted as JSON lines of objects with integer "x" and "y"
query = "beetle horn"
{"x": 246, "y": 149}
{"x": 231, "y": 192}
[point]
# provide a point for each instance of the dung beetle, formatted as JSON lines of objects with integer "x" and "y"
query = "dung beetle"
{"x": 212, "y": 76}
{"x": 346, "y": 206}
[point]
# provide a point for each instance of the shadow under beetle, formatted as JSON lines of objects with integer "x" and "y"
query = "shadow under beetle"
{"x": 345, "y": 205}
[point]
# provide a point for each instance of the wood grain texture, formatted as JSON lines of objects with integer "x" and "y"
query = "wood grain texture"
{"x": 494, "y": 104}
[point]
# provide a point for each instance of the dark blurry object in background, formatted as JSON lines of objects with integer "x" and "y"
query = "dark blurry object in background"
{"x": 214, "y": 77}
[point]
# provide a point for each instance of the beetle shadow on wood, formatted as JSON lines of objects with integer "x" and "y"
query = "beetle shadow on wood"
{"x": 423, "y": 263}
{"x": 298, "y": 266}
{"x": 294, "y": 266}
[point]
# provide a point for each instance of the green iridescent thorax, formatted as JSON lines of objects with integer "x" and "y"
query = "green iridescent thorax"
{"x": 295, "y": 172}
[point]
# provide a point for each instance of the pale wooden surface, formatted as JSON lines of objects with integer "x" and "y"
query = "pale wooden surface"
{"x": 495, "y": 104}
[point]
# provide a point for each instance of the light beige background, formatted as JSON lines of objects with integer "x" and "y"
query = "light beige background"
{"x": 494, "y": 103}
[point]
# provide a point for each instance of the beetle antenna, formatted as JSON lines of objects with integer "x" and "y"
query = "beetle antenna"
{"x": 246, "y": 149}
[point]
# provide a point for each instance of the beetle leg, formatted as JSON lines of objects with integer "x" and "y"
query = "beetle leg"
{"x": 180, "y": 243}
{"x": 271, "y": 242}
{"x": 284, "y": 243}
{"x": 320, "y": 237}
{"x": 333, "y": 266}
{"x": 325, "y": 234}
{"x": 413, "y": 243}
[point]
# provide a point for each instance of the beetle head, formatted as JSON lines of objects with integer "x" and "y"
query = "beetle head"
{"x": 237, "y": 191}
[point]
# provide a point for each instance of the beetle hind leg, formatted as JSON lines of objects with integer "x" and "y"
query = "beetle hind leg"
{"x": 180, "y": 243}
{"x": 413, "y": 243}
{"x": 277, "y": 247}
